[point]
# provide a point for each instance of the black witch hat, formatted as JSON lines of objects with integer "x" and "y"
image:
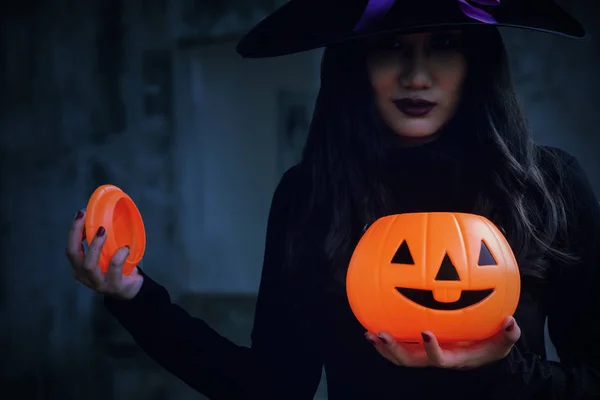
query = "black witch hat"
{"x": 302, "y": 25}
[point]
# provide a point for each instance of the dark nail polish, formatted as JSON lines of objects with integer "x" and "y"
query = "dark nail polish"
{"x": 79, "y": 215}
{"x": 100, "y": 231}
{"x": 128, "y": 248}
{"x": 510, "y": 326}
{"x": 426, "y": 337}
{"x": 382, "y": 339}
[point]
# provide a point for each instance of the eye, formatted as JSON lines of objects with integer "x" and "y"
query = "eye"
{"x": 389, "y": 43}
{"x": 485, "y": 256}
{"x": 403, "y": 255}
{"x": 447, "y": 270}
{"x": 444, "y": 42}
{"x": 395, "y": 45}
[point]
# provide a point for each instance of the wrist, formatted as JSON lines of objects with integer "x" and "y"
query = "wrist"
{"x": 129, "y": 292}
{"x": 135, "y": 288}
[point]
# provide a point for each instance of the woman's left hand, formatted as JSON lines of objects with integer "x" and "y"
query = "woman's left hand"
{"x": 457, "y": 356}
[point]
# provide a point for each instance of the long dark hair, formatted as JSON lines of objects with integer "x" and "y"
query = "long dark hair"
{"x": 346, "y": 150}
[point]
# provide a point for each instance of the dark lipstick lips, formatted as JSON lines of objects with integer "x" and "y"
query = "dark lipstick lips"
{"x": 414, "y": 107}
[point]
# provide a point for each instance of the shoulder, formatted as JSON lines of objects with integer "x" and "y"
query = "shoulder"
{"x": 570, "y": 179}
{"x": 559, "y": 167}
{"x": 294, "y": 175}
{"x": 293, "y": 182}
{"x": 292, "y": 192}
{"x": 549, "y": 156}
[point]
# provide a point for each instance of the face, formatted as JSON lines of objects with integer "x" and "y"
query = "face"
{"x": 417, "y": 80}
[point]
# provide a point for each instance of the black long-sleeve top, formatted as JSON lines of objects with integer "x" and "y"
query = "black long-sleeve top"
{"x": 298, "y": 329}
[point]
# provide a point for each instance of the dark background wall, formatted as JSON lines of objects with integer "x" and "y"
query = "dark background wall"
{"x": 149, "y": 95}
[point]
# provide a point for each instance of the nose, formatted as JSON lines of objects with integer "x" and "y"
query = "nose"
{"x": 416, "y": 74}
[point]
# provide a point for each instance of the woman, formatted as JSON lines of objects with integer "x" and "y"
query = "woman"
{"x": 407, "y": 119}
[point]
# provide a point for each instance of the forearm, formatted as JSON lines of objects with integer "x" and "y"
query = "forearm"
{"x": 210, "y": 363}
{"x": 186, "y": 346}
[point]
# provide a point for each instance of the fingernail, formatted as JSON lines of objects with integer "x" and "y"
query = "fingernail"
{"x": 78, "y": 215}
{"x": 128, "y": 248}
{"x": 100, "y": 231}
{"x": 370, "y": 340}
{"x": 383, "y": 340}
{"x": 510, "y": 326}
{"x": 426, "y": 337}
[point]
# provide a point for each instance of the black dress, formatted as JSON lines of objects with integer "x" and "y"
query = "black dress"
{"x": 304, "y": 324}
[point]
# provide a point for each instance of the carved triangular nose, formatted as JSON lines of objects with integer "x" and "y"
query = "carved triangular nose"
{"x": 447, "y": 271}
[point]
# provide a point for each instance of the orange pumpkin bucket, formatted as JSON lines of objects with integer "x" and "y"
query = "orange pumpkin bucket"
{"x": 114, "y": 210}
{"x": 453, "y": 274}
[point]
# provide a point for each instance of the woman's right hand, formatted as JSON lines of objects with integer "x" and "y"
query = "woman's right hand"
{"x": 85, "y": 266}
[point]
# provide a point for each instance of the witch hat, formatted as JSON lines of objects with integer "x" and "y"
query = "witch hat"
{"x": 302, "y": 25}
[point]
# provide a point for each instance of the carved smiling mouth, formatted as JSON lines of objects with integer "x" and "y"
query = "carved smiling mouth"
{"x": 426, "y": 299}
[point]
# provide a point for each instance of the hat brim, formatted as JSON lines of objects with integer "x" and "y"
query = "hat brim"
{"x": 295, "y": 27}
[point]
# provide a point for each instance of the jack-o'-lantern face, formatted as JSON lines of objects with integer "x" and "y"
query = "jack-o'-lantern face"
{"x": 451, "y": 273}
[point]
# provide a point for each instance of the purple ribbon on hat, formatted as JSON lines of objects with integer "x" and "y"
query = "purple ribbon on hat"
{"x": 477, "y": 13}
{"x": 377, "y": 9}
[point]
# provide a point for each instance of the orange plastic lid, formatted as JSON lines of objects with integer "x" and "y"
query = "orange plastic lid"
{"x": 114, "y": 210}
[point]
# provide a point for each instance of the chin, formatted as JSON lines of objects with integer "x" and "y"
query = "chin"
{"x": 418, "y": 130}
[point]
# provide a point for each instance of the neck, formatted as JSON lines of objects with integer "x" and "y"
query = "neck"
{"x": 408, "y": 142}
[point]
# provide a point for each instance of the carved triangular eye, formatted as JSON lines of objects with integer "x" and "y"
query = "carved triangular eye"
{"x": 485, "y": 256}
{"x": 447, "y": 271}
{"x": 403, "y": 255}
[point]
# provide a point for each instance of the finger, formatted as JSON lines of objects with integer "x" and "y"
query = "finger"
{"x": 114, "y": 275}
{"x": 380, "y": 347}
{"x": 504, "y": 340}
{"x": 83, "y": 234}
{"x": 78, "y": 276}
{"x": 434, "y": 352}
{"x": 74, "y": 250}
{"x": 90, "y": 264}
{"x": 401, "y": 354}
{"x": 511, "y": 332}
{"x": 469, "y": 343}
{"x": 489, "y": 350}
{"x": 507, "y": 337}
{"x": 82, "y": 279}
